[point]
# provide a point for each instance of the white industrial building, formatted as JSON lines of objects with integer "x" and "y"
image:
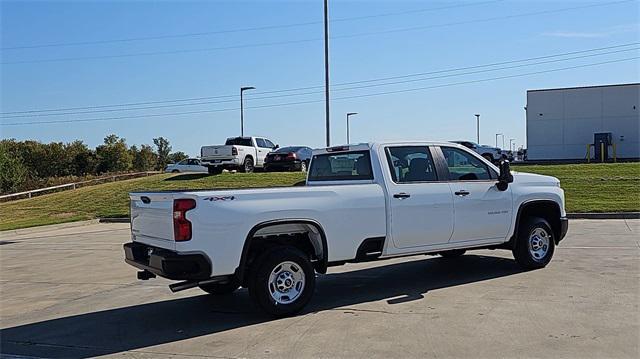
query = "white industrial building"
{"x": 562, "y": 122}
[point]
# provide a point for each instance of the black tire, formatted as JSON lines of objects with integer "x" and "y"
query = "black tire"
{"x": 454, "y": 253}
{"x": 531, "y": 252}
{"x": 214, "y": 170}
{"x": 247, "y": 166}
{"x": 175, "y": 171}
{"x": 303, "y": 166}
{"x": 260, "y": 287}
{"x": 220, "y": 288}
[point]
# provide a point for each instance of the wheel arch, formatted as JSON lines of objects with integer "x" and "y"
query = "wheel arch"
{"x": 542, "y": 208}
{"x": 319, "y": 244}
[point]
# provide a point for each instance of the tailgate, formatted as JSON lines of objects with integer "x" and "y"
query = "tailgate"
{"x": 152, "y": 219}
{"x": 215, "y": 151}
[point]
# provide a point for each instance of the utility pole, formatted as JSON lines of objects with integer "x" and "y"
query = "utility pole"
{"x": 326, "y": 71}
{"x": 477, "y": 128}
{"x": 243, "y": 89}
{"x": 349, "y": 114}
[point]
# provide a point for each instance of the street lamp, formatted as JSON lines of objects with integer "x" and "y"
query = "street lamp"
{"x": 326, "y": 71}
{"x": 243, "y": 89}
{"x": 349, "y": 114}
{"x": 499, "y": 134}
{"x": 510, "y": 141}
{"x": 477, "y": 128}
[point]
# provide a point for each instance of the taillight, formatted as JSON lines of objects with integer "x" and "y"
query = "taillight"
{"x": 234, "y": 151}
{"x": 292, "y": 156}
{"x": 181, "y": 225}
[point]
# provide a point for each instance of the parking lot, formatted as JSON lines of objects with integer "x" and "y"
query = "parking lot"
{"x": 66, "y": 292}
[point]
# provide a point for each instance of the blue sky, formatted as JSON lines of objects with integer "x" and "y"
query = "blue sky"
{"x": 412, "y": 37}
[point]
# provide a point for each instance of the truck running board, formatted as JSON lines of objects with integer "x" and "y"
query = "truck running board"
{"x": 180, "y": 286}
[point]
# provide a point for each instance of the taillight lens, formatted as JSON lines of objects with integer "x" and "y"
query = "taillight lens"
{"x": 181, "y": 225}
{"x": 234, "y": 151}
{"x": 292, "y": 156}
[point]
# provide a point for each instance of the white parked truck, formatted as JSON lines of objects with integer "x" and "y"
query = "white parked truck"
{"x": 238, "y": 153}
{"x": 360, "y": 203}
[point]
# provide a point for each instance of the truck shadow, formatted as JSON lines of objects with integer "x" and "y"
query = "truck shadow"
{"x": 140, "y": 326}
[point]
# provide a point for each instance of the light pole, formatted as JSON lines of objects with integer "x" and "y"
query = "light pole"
{"x": 498, "y": 134}
{"x": 243, "y": 89}
{"x": 349, "y": 114}
{"x": 510, "y": 146}
{"x": 326, "y": 71}
{"x": 477, "y": 128}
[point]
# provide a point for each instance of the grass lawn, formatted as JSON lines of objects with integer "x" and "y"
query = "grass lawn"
{"x": 588, "y": 188}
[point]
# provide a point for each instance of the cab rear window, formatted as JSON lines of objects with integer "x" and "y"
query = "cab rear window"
{"x": 341, "y": 166}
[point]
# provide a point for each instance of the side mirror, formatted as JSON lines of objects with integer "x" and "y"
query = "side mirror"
{"x": 505, "y": 177}
{"x": 276, "y": 147}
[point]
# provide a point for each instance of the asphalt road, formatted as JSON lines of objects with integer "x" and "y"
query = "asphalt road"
{"x": 66, "y": 292}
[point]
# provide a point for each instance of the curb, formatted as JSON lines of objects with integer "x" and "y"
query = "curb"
{"x": 49, "y": 227}
{"x": 115, "y": 220}
{"x": 610, "y": 215}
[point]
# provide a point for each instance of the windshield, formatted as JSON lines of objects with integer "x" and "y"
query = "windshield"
{"x": 288, "y": 149}
{"x": 341, "y": 166}
{"x": 239, "y": 141}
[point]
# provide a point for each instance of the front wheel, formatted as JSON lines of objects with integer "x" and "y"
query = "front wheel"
{"x": 303, "y": 166}
{"x": 282, "y": 281}
{"x": 535, "y": 244}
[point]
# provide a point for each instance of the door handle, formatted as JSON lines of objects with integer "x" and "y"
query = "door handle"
{"x": 401, "y": 195}
{"x": 462, "y": 193}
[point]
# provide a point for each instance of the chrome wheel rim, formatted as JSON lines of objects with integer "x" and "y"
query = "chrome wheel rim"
{"x": 286, "y": 282}
{"x": 539, "y": 244}
{"x": 303, "y": 167}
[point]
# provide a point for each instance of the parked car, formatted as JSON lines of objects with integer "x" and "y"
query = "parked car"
{"x": 294, "y": 158}
{"x": 188, "y": 165}
{"x": 360, "y": 203}
{"x": 493, "y": 154}
{"x": 238, "y": 153}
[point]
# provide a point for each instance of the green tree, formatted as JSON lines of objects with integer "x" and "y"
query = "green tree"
{"x": 81, "y": 160}
{"x": 143, "y": 159}
{"x": 163, "y": 149}
{"x": 13, "y": 173}
{"x": 113, "y": 155}
{"x": 177, "y": 157}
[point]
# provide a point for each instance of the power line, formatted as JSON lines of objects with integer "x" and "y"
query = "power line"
{"x": 317, "y": 92}
{"x": 277, "y": 43}
{"x": 334, "y": 99}
{"x": 248, "y": 29}
{"x": 234, "y": 96}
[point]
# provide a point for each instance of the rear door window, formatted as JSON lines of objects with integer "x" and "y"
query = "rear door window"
{"x": 411, "y": 164}
{"x": 260, "y": 142}
{"x": 341, "y": 166}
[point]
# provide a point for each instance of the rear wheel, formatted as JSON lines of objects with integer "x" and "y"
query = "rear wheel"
{"x": 454, "y": 253}
{"x": 220, "y": 288}
{"x": 175, "y": 171}
{"x": 535, "y": 244}
{"x": 303, "y": 166}
{"x": 247, "y": 166}
{"x": 282, "y": 281}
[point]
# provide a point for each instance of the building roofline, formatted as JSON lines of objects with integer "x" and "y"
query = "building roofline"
{"x": 585, "y": 87}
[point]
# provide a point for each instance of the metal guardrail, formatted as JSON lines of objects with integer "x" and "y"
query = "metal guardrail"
{"x": 74, "y": 185}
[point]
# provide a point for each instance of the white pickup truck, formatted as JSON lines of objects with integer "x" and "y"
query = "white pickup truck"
{"x": 360, "y": 203}
{"x": 238, "y": 153}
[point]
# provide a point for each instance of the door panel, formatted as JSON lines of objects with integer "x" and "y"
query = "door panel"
{"x": 421, "y": 207}
{"x": 481, "y": 211}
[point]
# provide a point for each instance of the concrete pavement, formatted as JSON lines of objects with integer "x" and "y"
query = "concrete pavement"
{"x": 66, "y": 292}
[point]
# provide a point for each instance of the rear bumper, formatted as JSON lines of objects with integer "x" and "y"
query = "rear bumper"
{"x": 281, "y": 165}
{"x": 564, "y": 227}
{"x": 220, "y": 162}
{"x": 166, "y": 263}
